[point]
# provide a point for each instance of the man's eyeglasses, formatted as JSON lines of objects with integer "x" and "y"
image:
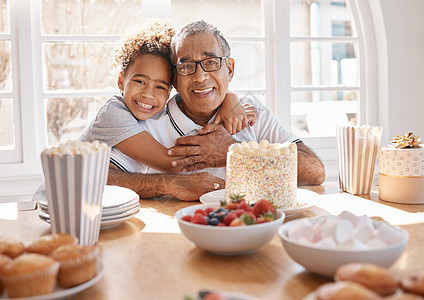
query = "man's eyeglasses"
{"x": 208, "y": 65}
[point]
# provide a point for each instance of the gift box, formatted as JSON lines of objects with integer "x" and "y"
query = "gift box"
{"x": 401, "y": 171}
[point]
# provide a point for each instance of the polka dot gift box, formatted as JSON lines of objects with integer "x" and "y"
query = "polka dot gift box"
{"x": 401, "y": 170}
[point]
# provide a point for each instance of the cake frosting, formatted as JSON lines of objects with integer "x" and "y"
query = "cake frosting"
{"x": 263, "y": 171}
{"x": 401, "y": 170}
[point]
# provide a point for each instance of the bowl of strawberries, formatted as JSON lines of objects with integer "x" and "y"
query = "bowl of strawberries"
{"x": 231, "y": 228}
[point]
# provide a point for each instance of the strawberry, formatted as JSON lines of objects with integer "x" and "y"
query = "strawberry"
{"x": 231, "y": 206}
{"x": 244, "y": 206}
{"x": 263, "y": 207}
{"x": 199, "y": 219}
{"x": 200, "y": 211}
{"x": 236, "y": 198}
{"x": 186, "y": 218}
{"x": 239, "y": 212}
{"x": 229, "y": 218}
{"x": 208, "y": 210}
{"x": 248, "y": 218}
{"x": 236, "y": 222}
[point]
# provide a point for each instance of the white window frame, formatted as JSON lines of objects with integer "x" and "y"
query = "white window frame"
{"x": 23, "y": 175}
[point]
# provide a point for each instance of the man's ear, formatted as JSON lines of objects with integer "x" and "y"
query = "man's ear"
{"x": 174, "y": 80}
{"x": 121, "y": 81}
{"x": 230, "y": 66}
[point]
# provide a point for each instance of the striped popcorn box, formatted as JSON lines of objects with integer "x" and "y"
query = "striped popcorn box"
{"x": 75, "y": 176}
{"x": 357, "y": 149}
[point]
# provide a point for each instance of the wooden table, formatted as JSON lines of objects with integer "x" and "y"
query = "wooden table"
{"x": 148, "y": 258}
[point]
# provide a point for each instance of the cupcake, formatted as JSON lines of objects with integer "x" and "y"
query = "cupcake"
{"x": 404, "y": 296}
{"x": 11, "y": 249}
{"x": 46, "y": 244}
{"x": 345, "y": 290}
{"x": 78, "y": 264}
{"x": 4, "y": 261}
{"x": 30, "y": 275}
{"x": 374, "y": 277}
{"x": 413, "y": 284}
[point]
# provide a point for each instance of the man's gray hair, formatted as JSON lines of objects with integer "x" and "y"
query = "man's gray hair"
{"x": 199, "y": 27}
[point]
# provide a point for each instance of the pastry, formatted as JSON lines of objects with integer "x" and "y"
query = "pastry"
{"x": 413, "y": 284}
{"x": 404, "y": 296}
{"x": 4, "y": 261}
{"x": 30, "y": 275}
{"x": 11, "y": 249}
{"x": 345, "y": 290}
{"x": 374, "y": 277}
{"x": 78, "y": 264}
{"x": 46, "y": 244}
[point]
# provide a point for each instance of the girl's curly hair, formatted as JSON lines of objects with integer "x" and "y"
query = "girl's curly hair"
{"x": 152, "y": 38}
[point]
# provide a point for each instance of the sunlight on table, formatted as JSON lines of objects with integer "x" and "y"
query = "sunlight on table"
{"x": 9, "y": 211}
{"x": 158, "y": 222}
{"x": 336, "y": 203}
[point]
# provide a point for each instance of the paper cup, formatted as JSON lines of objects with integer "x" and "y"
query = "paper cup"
{"x": 357, "y": 149}
{"x": 75, "y": 181}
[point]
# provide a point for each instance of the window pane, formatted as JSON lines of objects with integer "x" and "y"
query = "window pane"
{"x": 249, "y": 70}
{"x": 67, "y": 118}
{"x": 320, "y": 18}
{"x": 90, "y": 16}
{"x": 232, "y": 17}
{"x": 323, "y": 63}
{"x": 4, "y": 17}
{"x": 7, "y": 129}
{"x": 75, "y": 66}
{"x": 311, "y": 117}
{"x": 5, "y": 66}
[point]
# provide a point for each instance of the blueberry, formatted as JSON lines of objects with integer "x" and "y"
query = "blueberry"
{"x": 213, "y": 221}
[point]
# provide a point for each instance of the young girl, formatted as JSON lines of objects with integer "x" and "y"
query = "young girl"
{"x": 145, "y": 81}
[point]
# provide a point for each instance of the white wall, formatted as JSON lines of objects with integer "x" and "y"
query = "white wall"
{"x": 404, "y": 26}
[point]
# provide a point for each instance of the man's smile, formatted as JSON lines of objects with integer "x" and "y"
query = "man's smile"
{"x": 203, "y": 91}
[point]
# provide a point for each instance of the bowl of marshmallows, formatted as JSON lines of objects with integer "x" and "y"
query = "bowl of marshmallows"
{"x": 322, "y": 244}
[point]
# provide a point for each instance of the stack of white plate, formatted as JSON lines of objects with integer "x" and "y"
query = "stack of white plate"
{"x": 119, "y": 204}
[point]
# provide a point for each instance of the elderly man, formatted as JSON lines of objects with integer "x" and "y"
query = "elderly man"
{"x": 204, "y": 69}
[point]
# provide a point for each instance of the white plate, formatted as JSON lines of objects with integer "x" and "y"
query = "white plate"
{"x": 104, "y": 224}
{"x": 307, "y": 200}
{"x": 113, "y": 197}
{"x": 115, "y": 222}
{"x": 60, "y": 293}
{"x": 109, "y": 212}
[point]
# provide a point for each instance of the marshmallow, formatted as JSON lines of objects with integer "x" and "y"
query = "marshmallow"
{"x": 388, "y": 234}
{"x": 363, "y": 232}
{"x": 347, "y": 215}
{"x": 327, "y": 243}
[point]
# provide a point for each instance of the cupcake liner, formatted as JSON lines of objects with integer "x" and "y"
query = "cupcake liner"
{"x": 31, "y": 284}
{"x": 78, "y": 270}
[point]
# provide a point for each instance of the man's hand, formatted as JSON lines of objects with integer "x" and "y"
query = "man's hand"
{"x": 190, "y": 187}
{"x": 208, "y": 149}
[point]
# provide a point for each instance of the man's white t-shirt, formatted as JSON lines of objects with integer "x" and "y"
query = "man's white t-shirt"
{"x": 115, "y": 123}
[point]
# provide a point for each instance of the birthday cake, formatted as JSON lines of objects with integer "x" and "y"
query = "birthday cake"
{"x": 263, "y": 171}
{"x": 401, "y": 170}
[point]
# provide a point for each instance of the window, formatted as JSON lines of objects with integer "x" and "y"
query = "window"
{"x": 301, "y": 58}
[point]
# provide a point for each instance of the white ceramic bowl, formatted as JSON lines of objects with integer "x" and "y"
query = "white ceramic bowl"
{"x": 326, "y": 261}
{"x": 228, "y": 240}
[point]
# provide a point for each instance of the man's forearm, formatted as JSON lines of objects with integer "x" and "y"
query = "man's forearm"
{"x": 146, "y": 185}
{"x": 310, "y": 170}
